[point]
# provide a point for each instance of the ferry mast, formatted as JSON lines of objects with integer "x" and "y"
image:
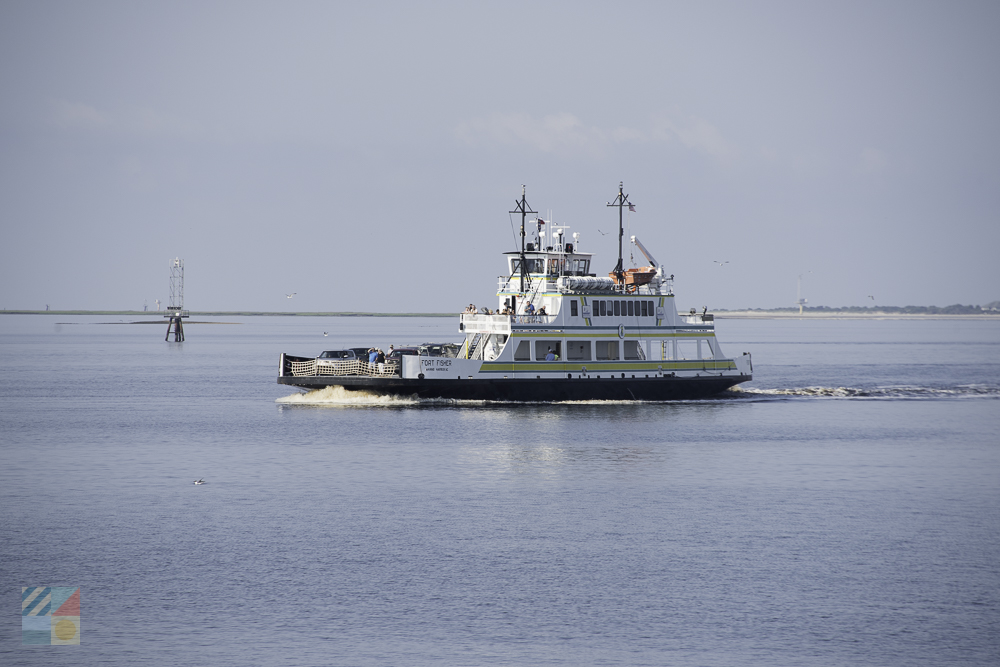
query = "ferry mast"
{"x": 524, "y": 209}
{"x": 621, "y": 202}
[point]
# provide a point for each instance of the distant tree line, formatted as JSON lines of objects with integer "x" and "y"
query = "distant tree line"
{"x": 956, "y": 309}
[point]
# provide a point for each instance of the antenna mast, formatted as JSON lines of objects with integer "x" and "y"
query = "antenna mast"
{"x": 621, "y": 202}
{"x": 524, "y": 210}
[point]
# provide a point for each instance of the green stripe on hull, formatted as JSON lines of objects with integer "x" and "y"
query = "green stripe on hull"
{"x": 604, "y": 367}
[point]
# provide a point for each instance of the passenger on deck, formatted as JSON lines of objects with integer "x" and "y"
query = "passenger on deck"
{"x": 372, "y": 355}
{"x": 550, "y": 355}
{"x": 530, "y": 309}
{"x": 541, "y": 311}
{"x": 379, "y": 357}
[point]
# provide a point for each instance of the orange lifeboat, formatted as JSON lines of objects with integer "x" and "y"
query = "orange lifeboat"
{"x": 635, "y": 277}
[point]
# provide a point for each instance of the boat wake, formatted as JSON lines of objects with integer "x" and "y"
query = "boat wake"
{"x": 338, "y": 396}
{"x": 898, "y": 392}
{"x": 334, "y": 396}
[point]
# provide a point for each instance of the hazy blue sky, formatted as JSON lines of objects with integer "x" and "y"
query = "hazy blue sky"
{"x": 365, "y": 155}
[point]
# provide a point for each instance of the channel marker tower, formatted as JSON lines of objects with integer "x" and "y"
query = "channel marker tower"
{"x": 175, "y": 311}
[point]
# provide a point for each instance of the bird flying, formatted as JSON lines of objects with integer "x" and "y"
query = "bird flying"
{"x": 289, "y": 296}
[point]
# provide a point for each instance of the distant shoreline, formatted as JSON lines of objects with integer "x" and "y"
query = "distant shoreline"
{"x": 846, "y": 315}
{"x": 719, "y": 314}
{"x": 219, "y": 313}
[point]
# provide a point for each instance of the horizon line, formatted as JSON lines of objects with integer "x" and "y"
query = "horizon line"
{"x": 276, "y": 313}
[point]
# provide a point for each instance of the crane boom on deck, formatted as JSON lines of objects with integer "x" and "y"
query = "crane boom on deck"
{"x": 642, "y": 249}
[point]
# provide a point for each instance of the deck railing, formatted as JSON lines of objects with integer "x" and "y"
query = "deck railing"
{"x": 501, "y": 323}
{"x": 485, "y": 323}
{"x": 349, "y": 367}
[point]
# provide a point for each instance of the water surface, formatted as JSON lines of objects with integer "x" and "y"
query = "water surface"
{"x": 842, "y": 509}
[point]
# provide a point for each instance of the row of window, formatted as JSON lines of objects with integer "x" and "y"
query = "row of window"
{"x": 579, "y": 350}
{"x": 552, "y": 267}
{"x": 616, "y": 308}
{"x": 613, "y": 350}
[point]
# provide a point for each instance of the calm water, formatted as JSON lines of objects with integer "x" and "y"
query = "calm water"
{"x": 844, "y": 509}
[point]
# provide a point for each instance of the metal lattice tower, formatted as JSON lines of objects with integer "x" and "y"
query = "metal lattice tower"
{"x": 176, "y": 285}
{"x": 175, "y": 311}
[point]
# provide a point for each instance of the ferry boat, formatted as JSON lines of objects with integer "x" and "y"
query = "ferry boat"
{"x": 559, "y": 333}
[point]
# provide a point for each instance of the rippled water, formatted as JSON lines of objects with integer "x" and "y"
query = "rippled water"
{"x": 842, "y": 509}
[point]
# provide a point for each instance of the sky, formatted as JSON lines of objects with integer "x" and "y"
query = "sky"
{"x": 365, "y": 156}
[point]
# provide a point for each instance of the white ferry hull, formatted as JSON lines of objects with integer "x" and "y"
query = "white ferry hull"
{"x": 655, "y": 388}
{"x": 440, "y": 377}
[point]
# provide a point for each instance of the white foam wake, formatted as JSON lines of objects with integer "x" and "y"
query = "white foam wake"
{"x": 904, "y": 391}
{"x": 338, "y": 396}
{"x": 335, "y": 395}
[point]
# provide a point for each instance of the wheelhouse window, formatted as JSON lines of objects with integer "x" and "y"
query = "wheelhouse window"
{"x": 577, "y": 267}
{"x": 533, "y": 266}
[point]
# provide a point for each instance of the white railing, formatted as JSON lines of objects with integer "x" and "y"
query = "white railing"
{"x": 534, "y": 319}
{"x": 501, "y": 323}
{"x": 485, "y": 323}
{"x": 697, "y": 318}
{"x": 538, "y": 283}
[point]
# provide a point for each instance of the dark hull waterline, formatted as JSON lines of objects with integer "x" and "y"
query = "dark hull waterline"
{"x": 532, "y": 390}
